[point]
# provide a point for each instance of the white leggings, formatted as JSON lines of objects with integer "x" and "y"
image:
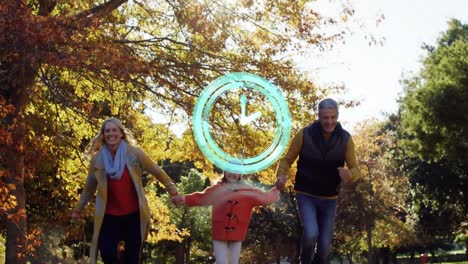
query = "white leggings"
{"x": 227, "y": 252}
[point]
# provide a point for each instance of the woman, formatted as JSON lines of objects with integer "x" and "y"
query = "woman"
{"x": 232, "y": 201}
{"x": 121, "y": 210}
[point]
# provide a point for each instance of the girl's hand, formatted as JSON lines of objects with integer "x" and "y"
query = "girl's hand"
{"x": 177, "y": 200}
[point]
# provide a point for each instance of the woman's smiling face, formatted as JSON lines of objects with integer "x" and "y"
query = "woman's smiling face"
{"x": 112, "y": 135}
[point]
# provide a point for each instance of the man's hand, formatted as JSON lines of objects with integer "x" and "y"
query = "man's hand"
{"x": 280, "y": 182}
{"x": 345, "y": 175}
{"x": 177, "y": 200}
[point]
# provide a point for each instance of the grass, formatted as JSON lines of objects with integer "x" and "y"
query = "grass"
{"x": 438, "y": 253}
{"x": 2, "y": 249}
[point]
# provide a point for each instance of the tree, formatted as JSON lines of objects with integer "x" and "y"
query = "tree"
{"x": 274, "y": 231}
{"x": 435, "y": 105}
{"x": 196, "y": 221}
{"x": 438, "y": 217}
{"x": 433, "y": 217}
{"x": 92, "y": 61}
{"x": 371, "y": 211}
{"x": 193, "y": 244}
{"x": 433, "y": 128}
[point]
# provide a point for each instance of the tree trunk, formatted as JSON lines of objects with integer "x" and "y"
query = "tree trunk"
{"x": 435, "y": 258}
{"x": 298, "y": 227}
{"x": 16, "y": 223}
{"x": 16, "y": 91}
{"x": 385, "y": 254}
{"x": 188, "y": 244}
{"x": 276, "y": 250}
{"x": 370, "y": 254}
{"x": 179, "y": 257}
{"x": 382, "y": 255}
{"x": 292, "y": 200}
{"x": 394, "y": 259}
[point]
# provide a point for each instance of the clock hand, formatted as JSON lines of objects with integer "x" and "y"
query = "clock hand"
{"x": 243, "y": 102}
{"x": 244, "y": 121}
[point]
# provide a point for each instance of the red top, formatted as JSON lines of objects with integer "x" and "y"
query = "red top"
{"x": 122, "y": 198}
{"x": 232, "y": 207}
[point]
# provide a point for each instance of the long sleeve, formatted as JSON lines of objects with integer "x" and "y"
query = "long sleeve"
{"x": 89, "y": 189}
{"x": 204, "y": 198}
{"x": 351, "y": 160}
{"x": 153, "y": 168}
{"x": 293, "y": 151}
{"x": 264, "y": 198}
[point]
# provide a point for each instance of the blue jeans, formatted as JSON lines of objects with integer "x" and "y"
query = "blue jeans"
{"x": 318, "y": 221}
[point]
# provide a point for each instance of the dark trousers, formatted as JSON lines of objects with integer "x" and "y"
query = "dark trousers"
{"x": 120, "y": 228}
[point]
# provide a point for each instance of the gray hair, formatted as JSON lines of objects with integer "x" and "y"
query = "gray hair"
{"x": 327, "y": 103}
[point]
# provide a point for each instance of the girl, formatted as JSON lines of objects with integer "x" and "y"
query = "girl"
{"x": 232, "y": 201}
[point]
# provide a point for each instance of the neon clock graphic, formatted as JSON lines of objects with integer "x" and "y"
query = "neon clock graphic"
{"x": 242, "y": 85}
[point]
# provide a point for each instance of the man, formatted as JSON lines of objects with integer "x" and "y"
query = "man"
{"x": 323, "y": 149}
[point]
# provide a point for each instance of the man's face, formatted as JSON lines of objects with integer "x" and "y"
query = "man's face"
{"x": 328, "y": 119}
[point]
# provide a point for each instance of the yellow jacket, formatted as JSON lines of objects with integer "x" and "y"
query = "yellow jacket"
{"x": 296, "y": 146}
{"x": 137, "y": 162}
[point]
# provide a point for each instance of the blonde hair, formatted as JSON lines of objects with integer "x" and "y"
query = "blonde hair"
{"x": 97, "y": 142}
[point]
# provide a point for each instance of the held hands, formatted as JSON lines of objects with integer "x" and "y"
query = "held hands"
{"x": 280, "y": 182}
{"x": 75, "y": 217}
{"x": 345, "y": 175}
{"x": 177, "y": 200}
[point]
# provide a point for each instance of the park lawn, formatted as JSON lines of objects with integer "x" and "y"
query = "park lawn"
{"x": 438, "y": 253}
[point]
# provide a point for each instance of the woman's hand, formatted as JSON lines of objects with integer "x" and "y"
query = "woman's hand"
{"x": 177, "y": 200}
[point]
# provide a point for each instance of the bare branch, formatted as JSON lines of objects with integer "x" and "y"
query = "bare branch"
{"x": 100, "y": 11}
{"x": 46, "y": 7}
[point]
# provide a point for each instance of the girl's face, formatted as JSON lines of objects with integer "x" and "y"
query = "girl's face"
{"x": 231, "y": 177}
{"x": 112, "y": 135}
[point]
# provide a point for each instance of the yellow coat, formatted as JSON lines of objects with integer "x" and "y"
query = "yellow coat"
{"x": 137, "y": 162}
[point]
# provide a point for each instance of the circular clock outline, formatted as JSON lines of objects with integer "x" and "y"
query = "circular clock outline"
{"x": 209, "y": 147}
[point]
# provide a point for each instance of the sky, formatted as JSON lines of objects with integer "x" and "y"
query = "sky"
{"x": 372, "y": 73}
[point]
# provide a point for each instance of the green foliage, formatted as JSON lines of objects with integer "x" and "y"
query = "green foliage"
{"x": 195, "y": 245}
{"x": 274, "y": 231}
{"x": 2, "y": 248}
{"x": 436, "y": 198}
{"x": 435, "y": 105}
{"x": 371, "y": 211}
{"x": 432, "y": 132}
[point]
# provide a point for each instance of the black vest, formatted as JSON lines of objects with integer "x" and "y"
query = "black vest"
{"x": 317, "y": 172}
